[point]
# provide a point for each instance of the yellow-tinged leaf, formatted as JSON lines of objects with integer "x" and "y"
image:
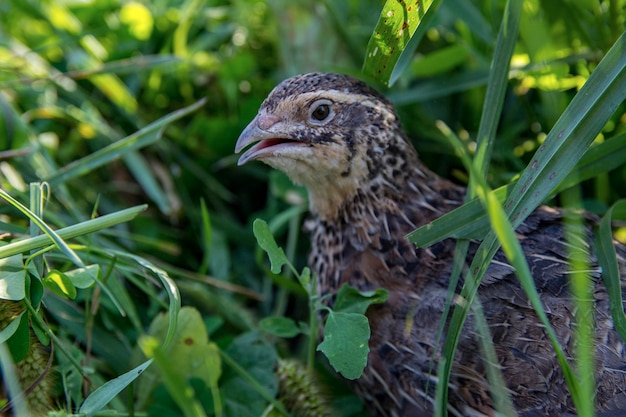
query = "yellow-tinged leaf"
{"x": 60, "y": 283}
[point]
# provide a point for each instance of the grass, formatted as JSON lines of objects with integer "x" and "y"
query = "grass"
{"x": 122, "y": 200}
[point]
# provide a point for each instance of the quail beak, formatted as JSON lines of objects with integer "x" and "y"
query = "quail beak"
{"x": 262, "y": 131}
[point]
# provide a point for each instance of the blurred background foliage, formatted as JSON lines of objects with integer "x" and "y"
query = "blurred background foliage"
{"x": 79, "y": 75}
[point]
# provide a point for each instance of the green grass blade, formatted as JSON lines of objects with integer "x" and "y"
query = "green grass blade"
{"x": 496, "y": 88}
{"x": 141, "y": 138}
{"x": 140, "y": 170}
{"x": 109, "y": 390}
{"x": 607, "y": 259}
{"x": 54, "y": 237}
{"x": 70, "y": 232}
{"x": 125, "y": 66}
{"x": 469, "y": 221}
{"x": 170, "y": 288}
{"x": 599, "y": 159}
{"x": 51, "y": 234}
{"x": 503, "y": 234}
{"x": 581, "y": 287}
{"x": 564, "y": 146}
{"x": 499, "y": 392}
{"x": 11, "y": 383}
{"x": 441, "y": 86}
{"x": 572, "y": 134}
{"x": 492, "y": 109}
{"x": 399, "y": 29}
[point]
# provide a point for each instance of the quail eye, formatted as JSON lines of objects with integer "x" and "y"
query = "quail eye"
{"x": 321, "y": 111}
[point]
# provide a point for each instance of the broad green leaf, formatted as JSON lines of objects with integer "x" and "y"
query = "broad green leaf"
{"x": 12, "y": 278}
{"x": 19, "y": 342}
{"x": 280, "y": 326}
{"x": 83, "y": 277}
{"x": 10, "y": 328}
{"x": 190, "y": 350}
{"x": 109, "y": 390}
{"x": 607, "y": 259}
{"x": 38, "y": 328}
{"x": 58, "y": 282}
{"x": 266, "y": 241}
{"x": 400, "y": 23}
{"x": 249, "y": 381}
{"x": 351, "y": 300}
{"x": 345, "y": 344}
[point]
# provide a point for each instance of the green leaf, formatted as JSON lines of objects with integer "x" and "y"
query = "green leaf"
{"x": 399, "y": 23}
{"x": 190, "y": 348}
{"x": 174, "y": 380}
{"x": 19, "y": 342}
{"x": 306, "y": 281}
{"x": 191, "y": 353}
{"x": 58, "y": 282}
{"x": 249, "y": 381}
{"x": 607, "y": 259}
{"x": 10, "y": 328}
{"x": 280, "y": 326}
{"x": 351, "y": 300}
{"x": 12, "y": 278}
{"x": 345, "y": 343}
{"x": 83, "y": 277}
{"x": 266, "y": 241}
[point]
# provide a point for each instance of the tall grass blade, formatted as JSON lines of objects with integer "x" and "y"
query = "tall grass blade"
{"x": 492, "y": 109}
{"x": 70, "y": 232}
{"x": 137, "y": 140}
{"x": 564, "y": 146}
{"x": 399, "y": 29}
{"x": 607, "y": 259}
{"x": 110, "y": 389}
{"x": 469, "y": 221}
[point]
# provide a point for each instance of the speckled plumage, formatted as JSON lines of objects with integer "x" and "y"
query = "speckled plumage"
{"x": 367, "y": 190}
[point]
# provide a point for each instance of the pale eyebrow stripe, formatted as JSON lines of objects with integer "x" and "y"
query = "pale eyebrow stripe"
{"x": 342, "y": 97}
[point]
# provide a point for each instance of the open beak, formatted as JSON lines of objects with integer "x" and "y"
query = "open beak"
{"x": 265, "y": 139}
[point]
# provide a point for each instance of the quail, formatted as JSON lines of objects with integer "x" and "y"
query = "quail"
{"x": 343, "y": 141}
